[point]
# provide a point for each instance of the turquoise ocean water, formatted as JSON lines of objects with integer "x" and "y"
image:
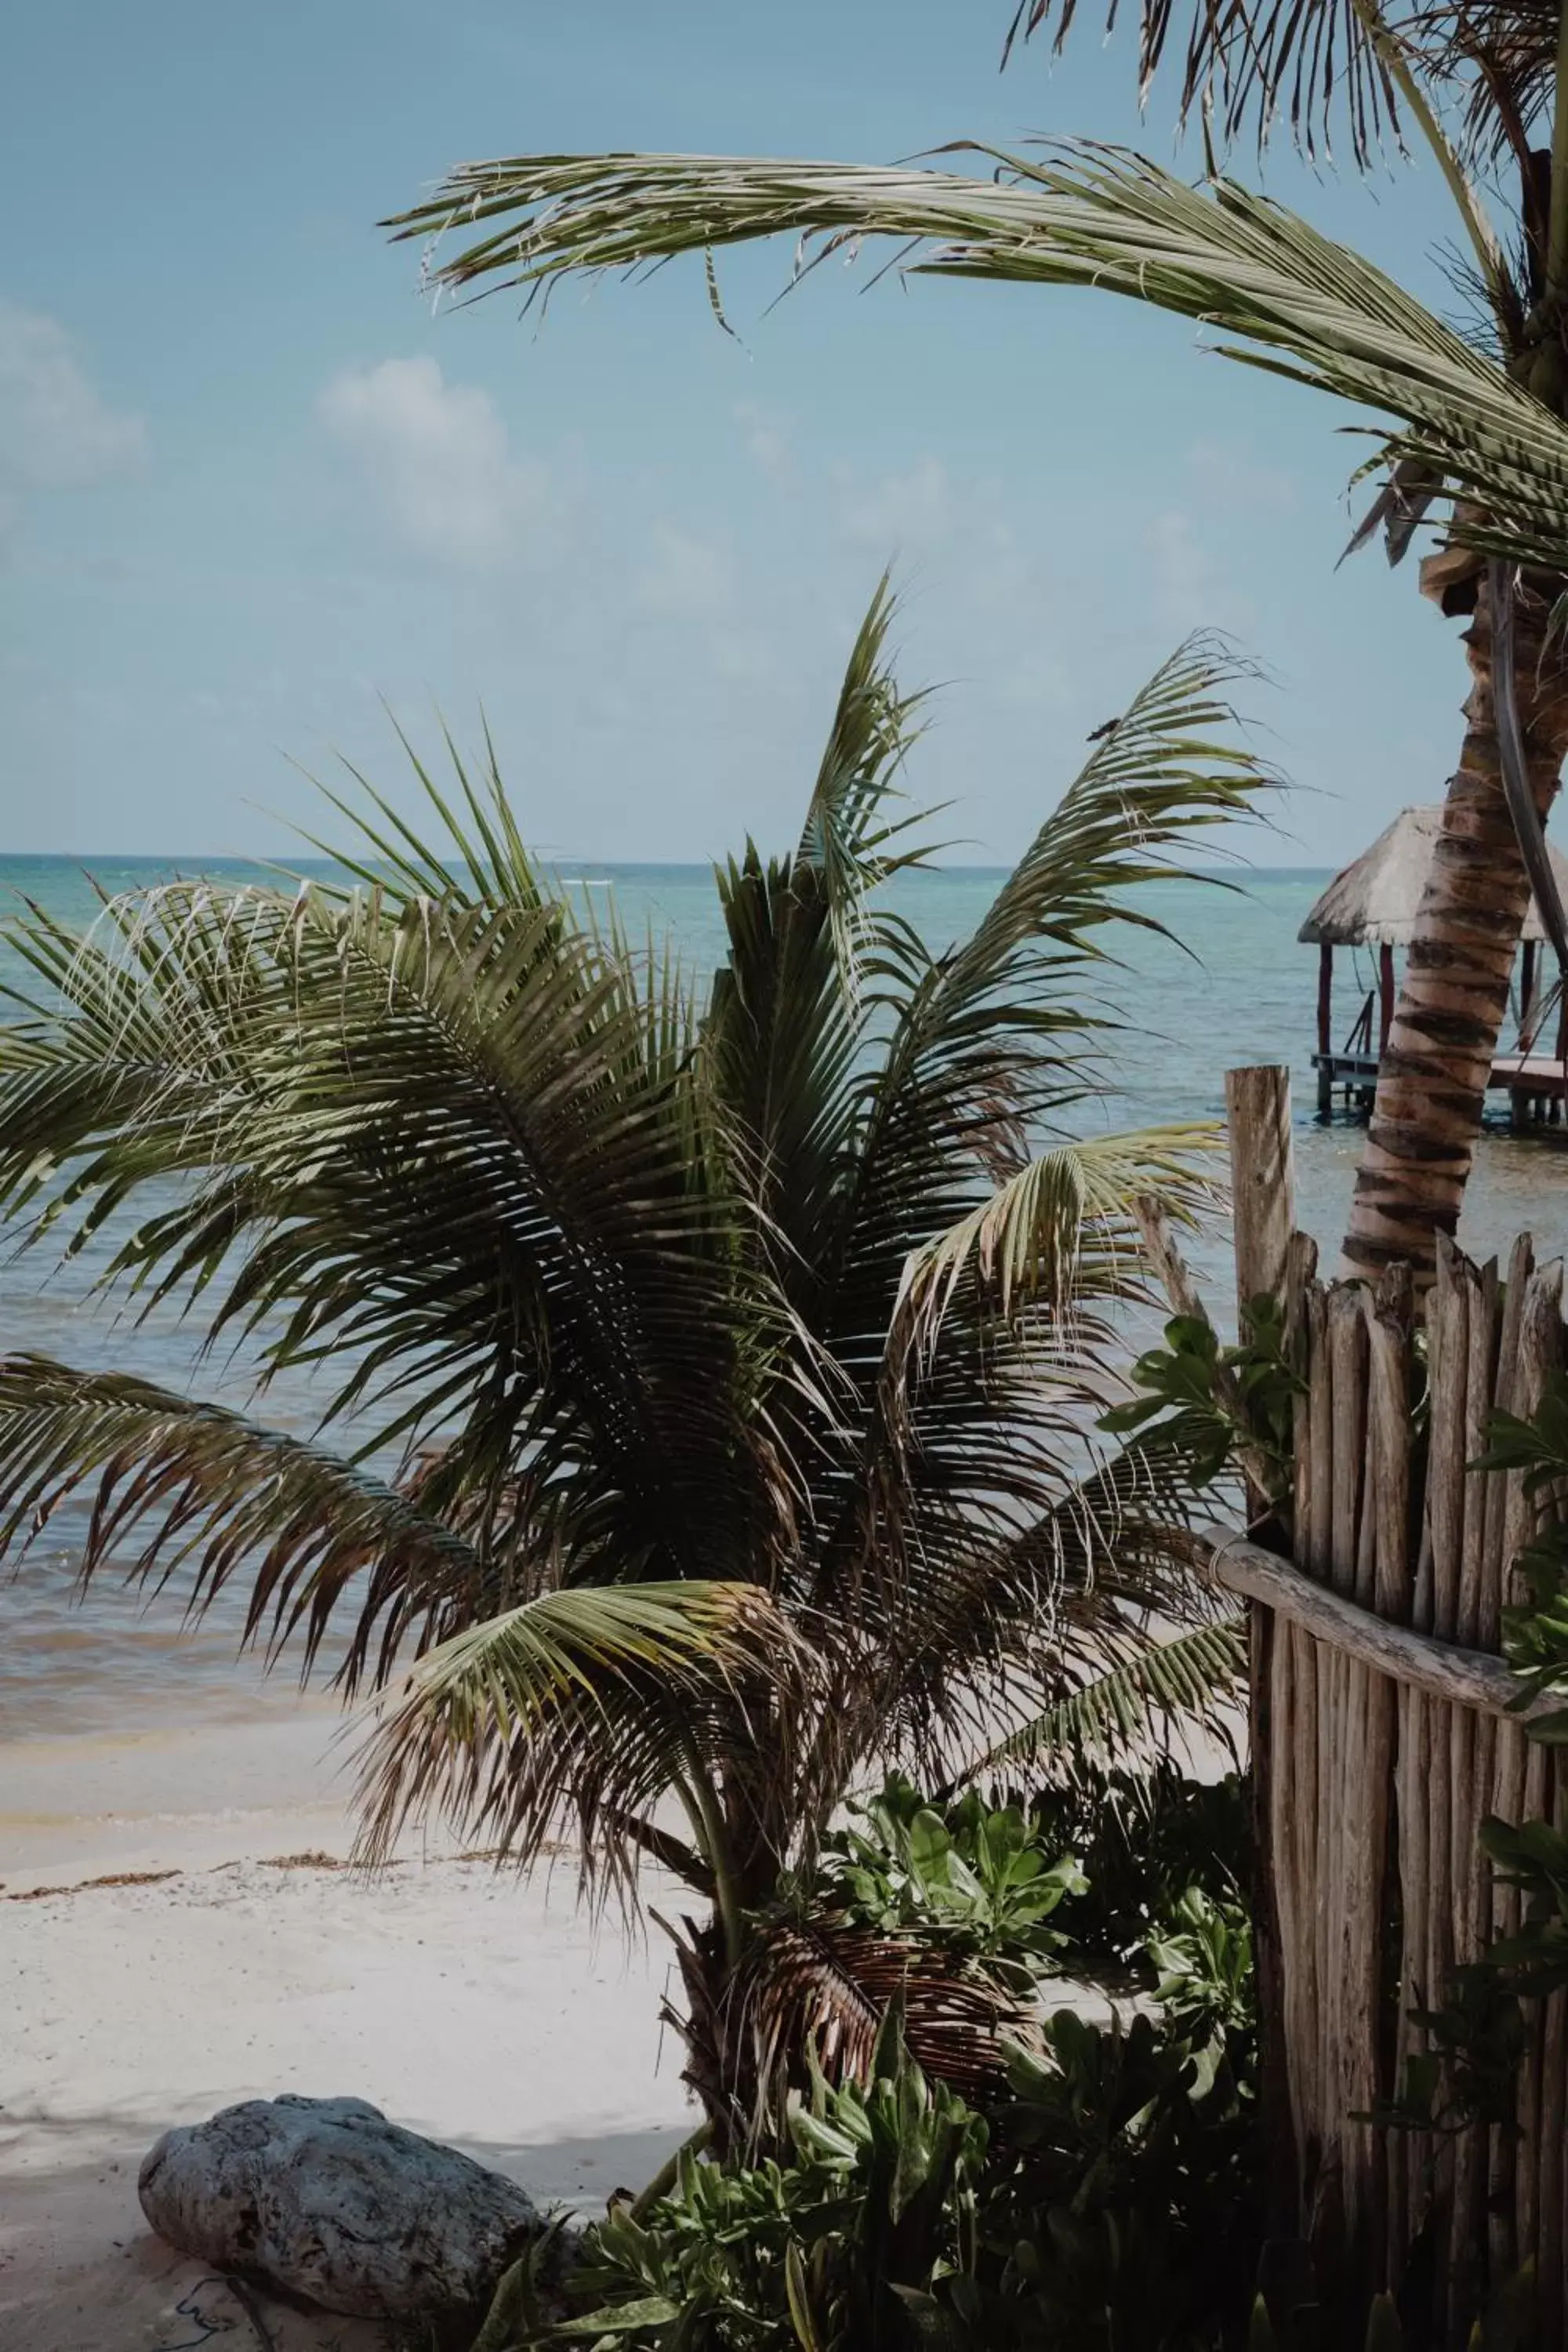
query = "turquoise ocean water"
{"x": 1246, "y": 993}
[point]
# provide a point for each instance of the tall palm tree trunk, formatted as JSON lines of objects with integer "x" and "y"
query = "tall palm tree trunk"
{"x": 1432, "y": 1083}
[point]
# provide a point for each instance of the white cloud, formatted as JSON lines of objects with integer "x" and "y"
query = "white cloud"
{"x": 749, "y": 656}
{"x": 56, "y": 430}
{"x": 1183, "y": 576}
{"x": 685, "y": 575}
{"x": 1234, "y": 477}
{"x": 916, "y": 505}
{"x": 437, "y": 460}
{"x": 764, "y": 437}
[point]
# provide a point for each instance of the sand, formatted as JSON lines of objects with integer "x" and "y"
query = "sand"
{"x": 483, "y": 2011}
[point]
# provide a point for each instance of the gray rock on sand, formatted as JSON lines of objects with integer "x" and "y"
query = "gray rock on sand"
{"x": 326, "y": 2200}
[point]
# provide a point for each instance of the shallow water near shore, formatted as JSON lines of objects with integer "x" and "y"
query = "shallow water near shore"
{"x": 1245, "y": 992}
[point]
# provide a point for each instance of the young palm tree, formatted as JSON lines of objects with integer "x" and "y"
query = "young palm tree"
{"x": 1478, "y": 436}
{"x": 739, "y": 1364}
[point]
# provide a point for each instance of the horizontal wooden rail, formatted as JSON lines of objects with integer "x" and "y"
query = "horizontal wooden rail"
{"x": 1442, "y": 1669}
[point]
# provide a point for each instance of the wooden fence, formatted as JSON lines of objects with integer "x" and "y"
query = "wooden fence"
{"x": 1380, "y": 1742}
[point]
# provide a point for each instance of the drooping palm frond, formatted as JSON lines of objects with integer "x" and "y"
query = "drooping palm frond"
{"x": 1245, "y": 67}
{"x": 1196, "y": 1677}
{"x": 587, "y": 1705}
{"x": 184, "y": 1489}
{"x": 823, "y": 1986}
{"x": 439, "y": 1146}
{"x": 990, "y": 1620}
{"x": 1063, "y": 1229}
{"x": 1296, "y": 303}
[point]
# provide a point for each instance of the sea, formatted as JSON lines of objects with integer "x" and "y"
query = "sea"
{"x": 1229, "y": 985}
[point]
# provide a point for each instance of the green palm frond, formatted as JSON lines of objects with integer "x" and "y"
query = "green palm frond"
{"x": 687, "y": 1510}
{"x": 442, "y": 1147}
{"x": 1062, "y": 1230}
{"x": 178, "y": 1486}
{"x": 1196, "y": 1677}
{"x": 1000, "y": 1034}
{"x": 786, "y": 1024}
{"x": 477, "y": 853}
{"x": 587, "y": 1704}
{"x": 846, "y": 842}
{"x": 931, "y": 1659}
{"x": 1294, "y": 301}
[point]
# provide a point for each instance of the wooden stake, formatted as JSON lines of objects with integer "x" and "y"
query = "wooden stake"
{"x": 1263, "y": 1193}
{"x": 1263, "y": 1180}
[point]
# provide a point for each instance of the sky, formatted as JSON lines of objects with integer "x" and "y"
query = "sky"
{"x": 257, "y": 499}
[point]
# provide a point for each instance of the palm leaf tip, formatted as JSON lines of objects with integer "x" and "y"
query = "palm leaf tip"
{"x": 1064, "y": 1229}
{"x": 609, "y": 1693}
{"x": 1195, "y": 1677}
{"x": 1285, "y": 298}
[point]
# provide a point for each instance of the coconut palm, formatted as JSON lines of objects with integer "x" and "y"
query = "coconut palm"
{"x": 708, "y": 1387}
{"x": 1477, "y": 438}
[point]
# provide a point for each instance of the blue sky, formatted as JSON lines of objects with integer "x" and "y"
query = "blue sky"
{"x": 249, "y": 486}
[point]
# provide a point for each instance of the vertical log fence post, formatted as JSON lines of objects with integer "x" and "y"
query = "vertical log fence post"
{"x": 1263, "y": 1199}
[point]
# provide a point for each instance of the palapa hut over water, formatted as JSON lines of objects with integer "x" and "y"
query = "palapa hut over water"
{"x": 1372, "y": 904}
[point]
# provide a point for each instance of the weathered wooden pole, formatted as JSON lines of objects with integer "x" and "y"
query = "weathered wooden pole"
{"x": 1527, "y": 999}
{"x": 1325, "y": 1028}
{"x": 1263, "y": 1195}
{"x": 1263, "y": 1179}
{"x": 1385, "y": 997}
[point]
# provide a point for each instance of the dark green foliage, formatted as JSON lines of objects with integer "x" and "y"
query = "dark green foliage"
{"x": 975, "y": 1878}
{"x": 1099, "y": 2198}
{"x": 871, "y": 2211}
{"x": 1469, "y": 2071}
{"x": 1534, "y": 1858}
{"x": 1535, "y": 1631}
{"x": 1143, "y": 1839}
{"x": 1204, "y": 1965}
{"x": 1291, "y": 2313}
{"x": 1106, "y": 2204}
{"x": 1128, "y": 2203}
{"x": 1200, "y": 1403}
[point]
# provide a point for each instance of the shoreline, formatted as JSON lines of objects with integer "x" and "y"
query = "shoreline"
{"x": 482, "y": 2010}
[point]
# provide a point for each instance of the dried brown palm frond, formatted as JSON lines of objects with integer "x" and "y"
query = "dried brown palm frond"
{"x": 815, "y": 1992}
{"x": 1313, "y": 65}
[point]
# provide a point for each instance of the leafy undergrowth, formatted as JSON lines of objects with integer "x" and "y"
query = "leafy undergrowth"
{"x": 1104, "y": 2196}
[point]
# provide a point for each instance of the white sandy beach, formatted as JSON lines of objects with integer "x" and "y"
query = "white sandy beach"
{"x": 467, "y": 2005}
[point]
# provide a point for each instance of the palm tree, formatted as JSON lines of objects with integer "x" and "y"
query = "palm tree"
{"x": 1477, "y": 432}
{"x": 714, "y": 1385}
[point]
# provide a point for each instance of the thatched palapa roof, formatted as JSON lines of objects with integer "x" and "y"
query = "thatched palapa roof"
{"x": 1372, "y": 903}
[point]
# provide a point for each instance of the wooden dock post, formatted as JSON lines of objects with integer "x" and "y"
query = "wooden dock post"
{"x": 1325, "y": 1029}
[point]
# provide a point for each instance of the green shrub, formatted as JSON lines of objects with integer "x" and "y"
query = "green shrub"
{"x": 979, "y": 1879}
